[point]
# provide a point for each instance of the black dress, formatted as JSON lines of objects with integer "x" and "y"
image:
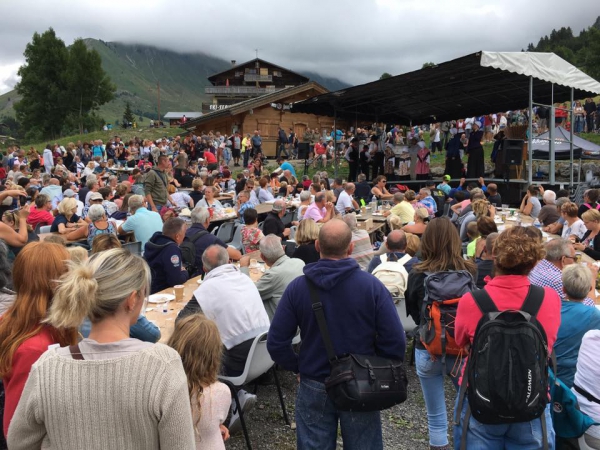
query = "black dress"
{"x": 454, "y": 165}
{"x": 475, "y": 166}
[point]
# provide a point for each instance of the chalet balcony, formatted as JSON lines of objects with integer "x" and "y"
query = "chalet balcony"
{"x": 239, "y": 90}
{"x": 252, "y": 78}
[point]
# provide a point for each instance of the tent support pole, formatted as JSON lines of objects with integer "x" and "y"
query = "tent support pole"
{"x": 335, "y": 152}
{"x": 571, "y": 145}
{"x": 530, "y": 133}
{"x": 551, "y": 137}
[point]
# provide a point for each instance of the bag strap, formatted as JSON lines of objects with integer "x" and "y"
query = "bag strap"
{"x": 198, "y": 235}
{"x": 317, "y": 307}
{"x": 484, "y": 302}
{"x": 586, "y": 394}
{"x": 76, "y": 352}
{"x": 533, "y": 301}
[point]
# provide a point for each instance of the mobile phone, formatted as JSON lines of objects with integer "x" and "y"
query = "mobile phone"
{"x": 24, "y": 200}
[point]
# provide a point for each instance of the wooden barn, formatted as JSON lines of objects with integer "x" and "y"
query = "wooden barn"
{"x": 267, "y": 113}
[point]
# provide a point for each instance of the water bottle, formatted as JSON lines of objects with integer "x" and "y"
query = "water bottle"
{"x": 537, "y": 224}
{"x": 373, "y": 204}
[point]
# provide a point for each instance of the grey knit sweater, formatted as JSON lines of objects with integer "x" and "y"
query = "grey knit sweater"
{"x": 135, "y": 402}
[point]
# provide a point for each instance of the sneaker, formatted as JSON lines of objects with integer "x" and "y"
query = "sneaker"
{"x": 247, "y": 402}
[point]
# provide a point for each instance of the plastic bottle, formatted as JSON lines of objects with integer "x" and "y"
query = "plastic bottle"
{"x": 537, "y": 224}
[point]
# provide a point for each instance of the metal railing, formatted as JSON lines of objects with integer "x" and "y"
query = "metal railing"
{"x": 248, "y": 90}
{"x": 252, "y": 77}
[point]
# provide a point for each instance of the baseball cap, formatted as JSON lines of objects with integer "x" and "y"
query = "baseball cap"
{"x": 447, "y": 177}
{"x": 69, "y": 193}
{"x": 95, "y": 196}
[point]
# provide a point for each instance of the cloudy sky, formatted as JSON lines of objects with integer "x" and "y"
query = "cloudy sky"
{"x": 354, "y": 40}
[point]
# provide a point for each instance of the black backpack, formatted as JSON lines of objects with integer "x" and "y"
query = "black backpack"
{"x": 188, "y": 251}
{"x": 440, "y": 200}
{"x": 506, "y": 378}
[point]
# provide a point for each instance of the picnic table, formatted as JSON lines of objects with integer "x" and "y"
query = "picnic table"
{"x": 166, "y": 321}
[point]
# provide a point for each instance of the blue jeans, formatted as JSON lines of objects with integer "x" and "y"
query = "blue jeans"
{"x": 431, "y": 374}
{"x": 317, "y": 422}
{"x": 510, "y": 436}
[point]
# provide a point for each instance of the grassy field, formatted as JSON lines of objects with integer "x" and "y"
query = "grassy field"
{"x": 126, "y": 135}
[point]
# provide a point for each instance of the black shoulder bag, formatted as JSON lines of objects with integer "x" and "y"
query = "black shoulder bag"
{"x": 359, "y": 382}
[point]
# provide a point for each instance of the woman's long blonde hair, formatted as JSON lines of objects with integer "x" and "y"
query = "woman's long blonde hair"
{"x": 197, "y": 340}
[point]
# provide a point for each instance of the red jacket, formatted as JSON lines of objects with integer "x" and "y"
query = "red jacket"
{"x": 209, "y": 157}
{"x": 40, "y": 216}
{"x": 507, "y": 292}
{"x": 25, "y": 356}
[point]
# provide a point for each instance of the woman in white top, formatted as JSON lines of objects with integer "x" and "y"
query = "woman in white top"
{"x": 196, "y": 338}
{"x": 209, "y": 200}
{"x": 181, "y": 198}
{"x": 108, "y": 391}
{"x": 263, "y": 194}
{"x": 574, "y": 228}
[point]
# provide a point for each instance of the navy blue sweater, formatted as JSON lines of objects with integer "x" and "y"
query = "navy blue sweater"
{"x": 164, "y": 258}
{"x": 360, "y": 313}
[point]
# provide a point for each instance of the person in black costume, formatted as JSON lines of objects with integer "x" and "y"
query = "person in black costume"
{"x": 475, "y": 165}
{"x": 454, "y": 165}
{"x": 353, "y": 159}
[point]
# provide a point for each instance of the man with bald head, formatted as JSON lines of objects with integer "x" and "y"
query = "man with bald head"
{"x": 395, "y": 245}
{"x": 361, "y": 318}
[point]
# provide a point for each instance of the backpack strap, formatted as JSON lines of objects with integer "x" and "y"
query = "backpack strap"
{"x": 76, "y": 352}
{"x": 198, "y": 235}
{"x": 317, "y": 307}
{"x": 533, "y": 301}
{"x": 484, "y": 302}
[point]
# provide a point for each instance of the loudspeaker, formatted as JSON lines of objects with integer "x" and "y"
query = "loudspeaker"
{"x": 512, "y": 150}
{"x": 303, "y": 150}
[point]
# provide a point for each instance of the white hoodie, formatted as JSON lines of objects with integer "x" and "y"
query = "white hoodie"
{"x": 231, "y": 299}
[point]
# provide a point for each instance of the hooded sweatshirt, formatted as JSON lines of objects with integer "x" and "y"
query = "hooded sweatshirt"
{"x": 360, "y": 314}
{"x": 164, "y": 258}
{"x": 231, "y": 299}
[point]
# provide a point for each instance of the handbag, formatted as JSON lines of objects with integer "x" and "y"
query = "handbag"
{"x": 359, "y": 383}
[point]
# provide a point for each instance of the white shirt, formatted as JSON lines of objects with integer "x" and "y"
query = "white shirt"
{"x": 344, "y": 201}
{"x": 587, "y": 376}
{"x": 578, "y": 229}
{"x": 181, "y": 199}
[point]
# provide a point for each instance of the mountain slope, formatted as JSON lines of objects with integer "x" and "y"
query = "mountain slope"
{"x": 137, "y": 69}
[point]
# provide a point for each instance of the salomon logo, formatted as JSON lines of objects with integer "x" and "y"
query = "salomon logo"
{"x": 528, "y": 385}
{"x": 384, "y": 387}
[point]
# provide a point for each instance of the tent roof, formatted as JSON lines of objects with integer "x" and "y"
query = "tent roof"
{"x": 561, "y": 142}
{"x": 479, "y": 83}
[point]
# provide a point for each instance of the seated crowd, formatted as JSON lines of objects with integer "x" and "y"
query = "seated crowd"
{"x": 312, "y": 239}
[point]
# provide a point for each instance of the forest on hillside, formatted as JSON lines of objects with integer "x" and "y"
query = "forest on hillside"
{"x": 583, "y": 50}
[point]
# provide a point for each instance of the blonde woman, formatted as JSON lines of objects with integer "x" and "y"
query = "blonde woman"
{"x": 306, "y": 235}
{"x": 68, "y": 223}
{"x": 421, "y": 220}
{"x": 198, "y": 342}
{"x": 138, "y": 389}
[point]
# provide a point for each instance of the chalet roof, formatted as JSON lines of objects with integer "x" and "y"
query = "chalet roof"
{"x": 179, "y": 115}
{"x": 479, "y": 83}
{"x": 256, "y": 102}
{"x": 262, "y": 61}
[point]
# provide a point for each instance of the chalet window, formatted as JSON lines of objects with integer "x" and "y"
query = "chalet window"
{"x": 239, "y": 73}
{"x": 276, "y": 73}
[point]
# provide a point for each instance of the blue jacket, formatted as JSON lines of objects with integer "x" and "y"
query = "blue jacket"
{"x": 576, "y": 319}
{"x": 164, "y": 258}
{"x": 360, "y": 313}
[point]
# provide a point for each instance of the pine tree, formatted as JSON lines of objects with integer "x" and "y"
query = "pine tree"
{"x": 127, "y": 115}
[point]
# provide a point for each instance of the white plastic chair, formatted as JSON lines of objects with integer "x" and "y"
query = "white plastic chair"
{"x": 258, "y": 363}
{"x": 582, "y": 444}
{"x": 236, "y": 241}
{"x": 45, "y": 229}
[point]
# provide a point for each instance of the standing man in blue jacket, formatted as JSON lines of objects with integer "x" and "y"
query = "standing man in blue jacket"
{"x": 163, "y": 255}
{"x": 361, "y": 318}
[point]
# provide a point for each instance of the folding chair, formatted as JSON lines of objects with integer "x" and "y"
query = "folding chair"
{"x": 226, "y": 231}
{"x": 261, "y": 225}
{"x": 290, "y": 247}
{"x": 258, "y": 363}
{"x": 45, "y": 229}
{"x": 293, "y": 229}
{"x": 236, "y": 241}
{"x": 134, "y": 247}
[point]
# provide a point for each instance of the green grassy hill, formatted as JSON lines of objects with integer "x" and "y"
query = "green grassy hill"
{"x": 136, "y": 70}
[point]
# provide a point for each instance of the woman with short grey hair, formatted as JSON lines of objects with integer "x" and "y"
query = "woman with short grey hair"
{"x": 99, "y": 223}
{"x": 576, "y": 319}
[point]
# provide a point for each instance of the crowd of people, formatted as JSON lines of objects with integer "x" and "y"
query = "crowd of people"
{"x": 76, "y": 280}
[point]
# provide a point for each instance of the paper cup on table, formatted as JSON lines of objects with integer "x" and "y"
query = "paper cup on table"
{"x": 179, "y": 288}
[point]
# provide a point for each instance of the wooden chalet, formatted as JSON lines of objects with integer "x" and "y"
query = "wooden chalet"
{"x": 266, "y": 114}
{"x": 251, "y": 79}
